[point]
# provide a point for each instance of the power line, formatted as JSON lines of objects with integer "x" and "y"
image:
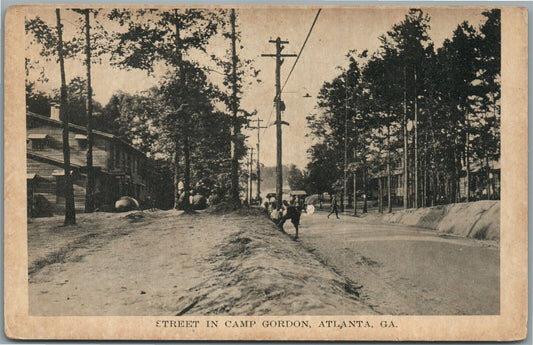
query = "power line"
{"x": 268, "y": 121}
{"x": 303, "y": 46}
{"x": 294, "y": 65}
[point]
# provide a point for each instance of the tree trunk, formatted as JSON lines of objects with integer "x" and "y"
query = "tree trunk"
{"x": 456, "y": 174}
{"x": 389, "y": 187}
{"x": 488, "y": 177}
{"x": 424, "y": 187}
{"x": 187, "y": 173}
{"x": 234, "y": 109}
{"x": 186, "y": 148}
{"x": 467, "y": 156}
{"x": 354, "y": 191}
{"x": 70, "y": 210}
{"x": 434, "y": 174}
{"x": 176, "y": 175}
{"x": 365, "y": 184}
{"x": 380, "y": 195}
{"x": 89, "y": 196}
{"x": 405, "y": 138}
{"x": 415, "y": 144}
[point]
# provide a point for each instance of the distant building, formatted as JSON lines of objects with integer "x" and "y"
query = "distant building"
{"x": 119, "y": 168}
{"x": 479, "y": 188}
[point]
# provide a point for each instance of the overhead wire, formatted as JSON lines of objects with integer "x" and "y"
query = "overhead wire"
{"x": 301, "y": 49}
{"x": 293, "y": 66}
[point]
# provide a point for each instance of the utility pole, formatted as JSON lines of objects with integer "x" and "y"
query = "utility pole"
{"x": 235, "y": 127}
{"x": 279, "y": 61}
{"x": 250, "y": 163}
{"x": 258, "y": 195}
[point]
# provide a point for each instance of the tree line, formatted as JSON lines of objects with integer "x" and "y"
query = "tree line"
{"x": 185, "y": 122}
{"x": 410, "y": 110}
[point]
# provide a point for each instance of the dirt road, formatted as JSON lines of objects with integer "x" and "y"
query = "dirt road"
{"x": 407, "y": 270}
{"x": 168, "y": 263}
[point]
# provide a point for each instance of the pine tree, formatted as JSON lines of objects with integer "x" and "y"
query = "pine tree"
{"x": 166, "y": 36}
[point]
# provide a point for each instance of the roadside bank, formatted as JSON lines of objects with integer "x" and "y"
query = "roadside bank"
{"x": 479, "y": 219}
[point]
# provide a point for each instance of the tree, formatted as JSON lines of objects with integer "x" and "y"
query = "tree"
{"x": 166, "y": 36}
{"x": 90, "y": 188}
{"x": 410, "y": 40}
{"x": 381, "y": 77}
{"x": 37, "y": 101}
{"x": 341, "y": 124}
{"x": 460, "y": 56}
{"x": 487, "y": 144}
{"x": 76, "y": 101}
{"x": 235, "y": 70}
{"x": 322, "y": 169}
{"x": 134, "y": 119}
{"x": 70, "y": 211}
{"x": 84, "y": 42}
{"x": 296, "y": 178}
{"x": 52, "y": 46}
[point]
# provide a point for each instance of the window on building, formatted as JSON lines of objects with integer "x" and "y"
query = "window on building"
{"x": 38, "y": 141}
{"x": 82, "y": 141}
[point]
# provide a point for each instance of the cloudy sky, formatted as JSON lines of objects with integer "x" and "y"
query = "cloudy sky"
{"x": 337, "y": 31}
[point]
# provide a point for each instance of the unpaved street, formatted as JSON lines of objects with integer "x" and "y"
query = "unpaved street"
{"x": 169, "y": 263}
{"x": 407, "y": 270}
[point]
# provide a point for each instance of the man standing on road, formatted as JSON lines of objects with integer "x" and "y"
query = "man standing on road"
{"x": 333, "y": 208}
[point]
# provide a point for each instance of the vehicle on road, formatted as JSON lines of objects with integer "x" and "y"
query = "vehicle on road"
{"x": 298, "y": 196}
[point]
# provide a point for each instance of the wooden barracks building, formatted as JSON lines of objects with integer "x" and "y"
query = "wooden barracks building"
{"x": 120, "y": 169}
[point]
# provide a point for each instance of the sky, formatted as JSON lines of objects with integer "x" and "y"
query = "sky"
{"x": 337, "y": 31}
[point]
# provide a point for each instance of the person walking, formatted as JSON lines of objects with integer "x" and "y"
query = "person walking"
{"x": 334, "y": 208}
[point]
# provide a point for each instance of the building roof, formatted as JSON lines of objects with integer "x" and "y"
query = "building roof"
{"x": 56, "y": 159}
{"x": 298, "y": 192}
{"x": 37, "y": 136}
{"x": 82, "y": 129}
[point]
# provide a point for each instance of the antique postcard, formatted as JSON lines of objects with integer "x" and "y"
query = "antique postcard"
{"x": 266, "y": 172}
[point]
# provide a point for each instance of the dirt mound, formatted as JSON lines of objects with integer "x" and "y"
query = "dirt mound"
{"x": 135, "y": 216}
{"x": 232, "y": 264}
{"x": 227, "y": 207}
{"x": 222, "y": 208}
{"x": 260, "y": 272}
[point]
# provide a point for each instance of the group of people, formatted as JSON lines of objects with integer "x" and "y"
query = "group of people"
{"x": 280, "y": 213}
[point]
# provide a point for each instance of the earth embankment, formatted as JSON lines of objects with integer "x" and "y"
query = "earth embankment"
{"x": 479, "y": 220}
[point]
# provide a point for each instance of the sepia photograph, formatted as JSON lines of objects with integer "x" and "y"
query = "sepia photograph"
{"x": 318, "y": 168}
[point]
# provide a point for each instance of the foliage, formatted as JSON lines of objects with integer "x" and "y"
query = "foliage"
{"x": 76, "y": 100}
{"x": 453, "y": 93}
{"x": 37, "y": 101}
{"x": 296, "y": 178}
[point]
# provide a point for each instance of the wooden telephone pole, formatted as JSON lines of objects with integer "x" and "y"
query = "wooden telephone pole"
{"x": 258, "y": 194}
{"x": 279, "y": 61}
{"x": 250, "y": 164}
